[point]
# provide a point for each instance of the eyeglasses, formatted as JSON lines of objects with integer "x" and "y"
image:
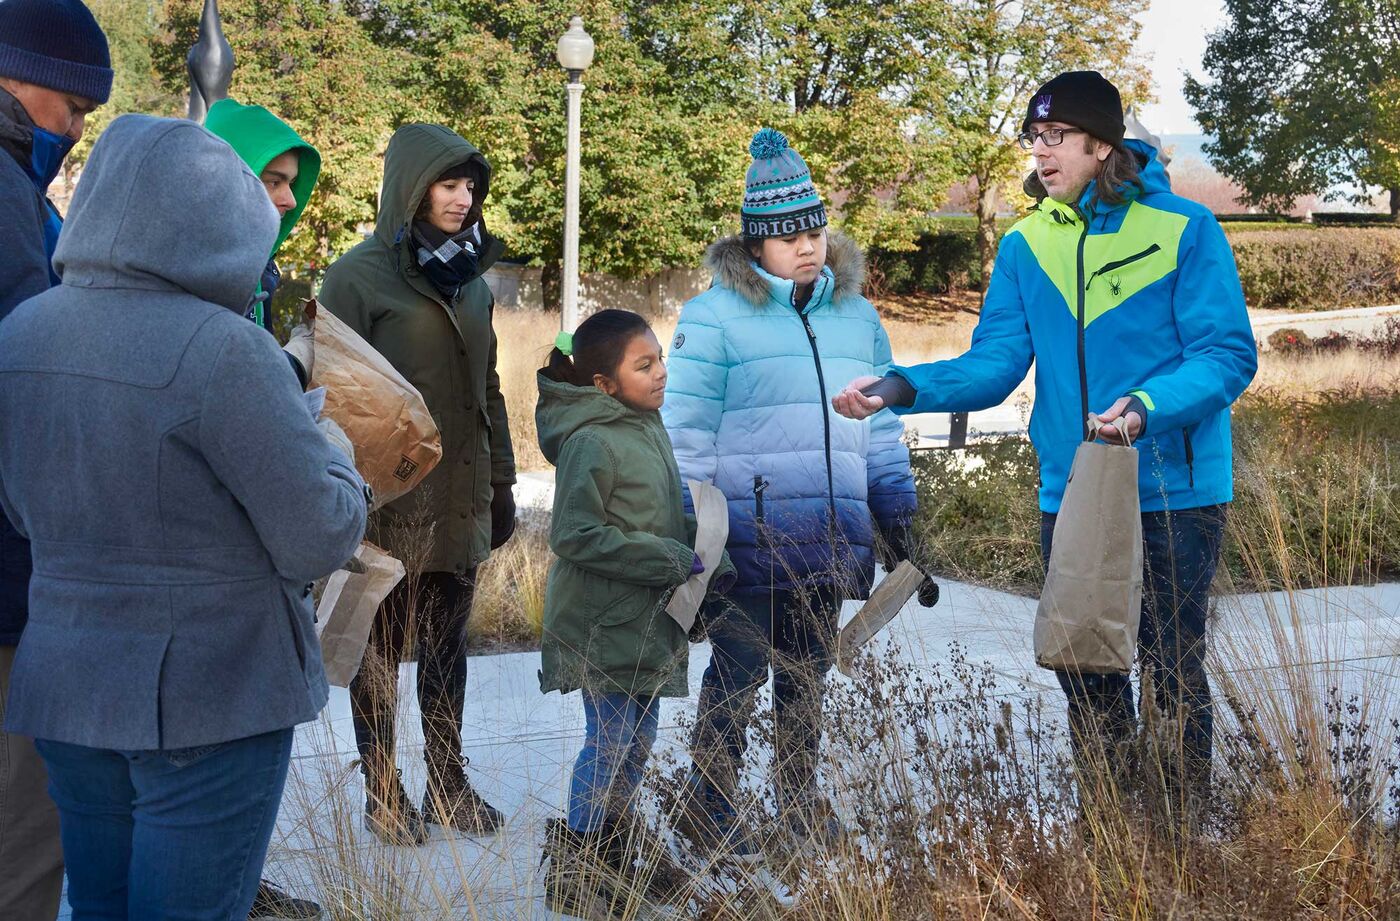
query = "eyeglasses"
{"x": 1052, "y": 137}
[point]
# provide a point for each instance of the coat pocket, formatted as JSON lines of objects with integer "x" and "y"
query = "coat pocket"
{"x": 611, "y": 603}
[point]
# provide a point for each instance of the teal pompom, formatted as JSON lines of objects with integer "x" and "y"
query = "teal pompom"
{"x": 767, "y": 144}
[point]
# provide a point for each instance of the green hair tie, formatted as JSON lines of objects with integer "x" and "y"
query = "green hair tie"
{"x": 564, "y": 342}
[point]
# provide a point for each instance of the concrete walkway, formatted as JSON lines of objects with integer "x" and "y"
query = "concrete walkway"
{"x": 522, "y": 743}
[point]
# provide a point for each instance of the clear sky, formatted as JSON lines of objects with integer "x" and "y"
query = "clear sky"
{"x": 1173, "y": 38}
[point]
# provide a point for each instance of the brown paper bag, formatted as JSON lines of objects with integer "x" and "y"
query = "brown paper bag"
{"x": 396, "y": 441}
{"x": 1088, "y": 615}
{"x": 347, "y": 609}
{"x": 888, "y": 599}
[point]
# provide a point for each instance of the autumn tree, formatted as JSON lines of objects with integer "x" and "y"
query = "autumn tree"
{"x": 999, "y": 52}
{"x": 1303, "y": 98}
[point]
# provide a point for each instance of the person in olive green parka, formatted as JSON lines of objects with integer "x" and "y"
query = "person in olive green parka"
{"x": 415, "y": 292}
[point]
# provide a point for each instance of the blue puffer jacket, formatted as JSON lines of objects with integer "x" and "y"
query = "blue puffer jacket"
{"x": 748, "y": 409}
{"x": 1147, "y": 293}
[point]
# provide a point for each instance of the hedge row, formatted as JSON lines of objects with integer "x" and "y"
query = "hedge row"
{"x": 1298, "y": 268}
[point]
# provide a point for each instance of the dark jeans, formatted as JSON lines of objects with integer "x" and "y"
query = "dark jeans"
{"x": 794, "y": 632}
{"x": 167, "y": 835}
{"x": 431, "y": 613}
{"x": 1180, "y": 552}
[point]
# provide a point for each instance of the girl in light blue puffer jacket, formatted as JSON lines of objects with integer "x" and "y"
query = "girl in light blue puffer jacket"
{"x": 754, "y": 363}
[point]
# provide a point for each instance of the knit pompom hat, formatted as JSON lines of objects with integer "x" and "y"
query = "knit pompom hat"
{"x": 779, "y": 198}
{"x": 55, "y": 44}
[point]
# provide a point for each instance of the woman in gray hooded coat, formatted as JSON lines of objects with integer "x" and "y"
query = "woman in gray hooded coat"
{"x": 179, "y": 499}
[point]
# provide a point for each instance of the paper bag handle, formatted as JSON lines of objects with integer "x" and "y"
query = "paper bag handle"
{"x": 1121, "y": 424}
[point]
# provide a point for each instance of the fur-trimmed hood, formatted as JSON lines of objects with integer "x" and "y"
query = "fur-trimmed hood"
{"x": 734, "y": 268}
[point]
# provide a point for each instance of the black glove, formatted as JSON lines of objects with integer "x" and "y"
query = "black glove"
{"x": 899, "y": 544}
{"x": 502, "y": 515}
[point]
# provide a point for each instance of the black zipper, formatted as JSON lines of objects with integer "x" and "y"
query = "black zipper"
{"x": 1190, "y": 459}
{"x": 759, "y": 485}
{"x": 826, "y": 409}
{"x": 1119, "y": 263}
{"x": 1083, "y": 369}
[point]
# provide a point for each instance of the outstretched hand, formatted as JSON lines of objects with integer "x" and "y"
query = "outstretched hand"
{"x": 1109, "y": 433}
{"x": 853, "y": 404}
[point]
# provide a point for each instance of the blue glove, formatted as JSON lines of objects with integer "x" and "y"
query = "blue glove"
{"x": 697, "y": 567}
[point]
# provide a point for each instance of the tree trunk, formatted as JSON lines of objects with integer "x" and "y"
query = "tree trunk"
{"x": 1395, "y": 204}
{"x": 986, "y": 227}
{"x": 552, "y": 286}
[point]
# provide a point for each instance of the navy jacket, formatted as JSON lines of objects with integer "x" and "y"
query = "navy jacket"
{"x": 29, "y": 160}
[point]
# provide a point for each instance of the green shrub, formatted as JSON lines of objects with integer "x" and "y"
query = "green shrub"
{"x": 942, "y": 261}
{"x": 979, "y": 517}
{"x": 1352, "y": 218}
{"x": 1258, "y": 219}
{"x": 1282, "y": 266}
{"x": 1338, "y": 267}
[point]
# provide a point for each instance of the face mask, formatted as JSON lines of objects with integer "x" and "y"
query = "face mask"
{"x": 46, "y": 157}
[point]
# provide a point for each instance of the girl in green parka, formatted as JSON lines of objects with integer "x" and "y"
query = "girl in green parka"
{"x": 624, "y": 543}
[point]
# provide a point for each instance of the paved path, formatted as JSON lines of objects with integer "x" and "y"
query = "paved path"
{"x": 522, "y": 743}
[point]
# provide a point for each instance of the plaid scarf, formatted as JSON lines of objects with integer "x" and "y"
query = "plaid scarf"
{"x": 449, "y": 262}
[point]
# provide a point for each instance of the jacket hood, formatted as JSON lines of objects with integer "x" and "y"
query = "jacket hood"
{"x": 417, "y": 155}
{"x": 735, "y": 268}
{"x": 564, "y": 409}
{"x": 1151, "y": 174}
{"x": 259, "y": 137}
{"x": 165, "y": 205}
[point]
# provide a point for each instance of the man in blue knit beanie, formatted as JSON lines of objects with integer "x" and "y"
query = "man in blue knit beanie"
{"x": 55, "y": 69}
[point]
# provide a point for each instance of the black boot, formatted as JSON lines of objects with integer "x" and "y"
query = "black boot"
{"x": 648, "y": 864}
{"x": 583, "y": 876}
{"x": 389, "y": 813}
{"x": 450, "y": 801}
{"x": 273, "y": 904}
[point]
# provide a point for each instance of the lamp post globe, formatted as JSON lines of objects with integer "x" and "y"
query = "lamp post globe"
{"x": 575, "y": 49}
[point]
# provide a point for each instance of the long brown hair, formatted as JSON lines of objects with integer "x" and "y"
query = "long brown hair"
{"x": 1117, "y": 172}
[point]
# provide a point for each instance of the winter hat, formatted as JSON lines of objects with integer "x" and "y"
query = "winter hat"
{"x": 55, "y": 44}
{"x": 1082, "y": 98}
{"x": 779, "y": 198}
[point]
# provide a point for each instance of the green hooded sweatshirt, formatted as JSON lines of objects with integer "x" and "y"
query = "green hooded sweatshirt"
{"x": 259, "y": 137}
{"x": 623, "y": 542}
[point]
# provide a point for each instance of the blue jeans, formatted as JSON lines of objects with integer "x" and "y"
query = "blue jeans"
{"x": 794, "y": 632}
{"x": 1180, "y": 553}
{"x": 621, "y": 731}
{"x": 176, "y": 835}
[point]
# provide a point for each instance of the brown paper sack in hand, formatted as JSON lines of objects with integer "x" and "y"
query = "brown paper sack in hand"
{"x": 347, "y": 610}
{"x": 396, "y": 441}
{"x": 1087, "y": 620}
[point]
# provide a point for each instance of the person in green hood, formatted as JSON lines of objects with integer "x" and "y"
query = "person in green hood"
{"x": 415, "y": 291}
{"x": 623, "y": 543}
{"x": 288, "y": 168}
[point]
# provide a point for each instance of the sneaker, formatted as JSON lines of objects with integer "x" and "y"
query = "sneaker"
{"x": 580, "y": 879}
{"x": 273, "y": 904}
{"x": 453, "y": 803}
{"x": 390, "y": 815}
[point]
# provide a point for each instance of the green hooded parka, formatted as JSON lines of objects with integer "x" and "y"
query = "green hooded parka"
{"x": 623, "y": 542}
{"x": 446, "y": 349}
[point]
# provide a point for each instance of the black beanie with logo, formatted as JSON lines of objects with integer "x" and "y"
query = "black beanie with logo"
{"x": 1082, "y": 98}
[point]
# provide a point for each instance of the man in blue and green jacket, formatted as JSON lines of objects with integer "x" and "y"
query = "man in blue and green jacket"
{"x": 1128, "y": 301}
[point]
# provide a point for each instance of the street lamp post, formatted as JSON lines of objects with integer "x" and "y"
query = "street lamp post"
{"x": 210, "y": 63}
{"x": 575, "y": 53}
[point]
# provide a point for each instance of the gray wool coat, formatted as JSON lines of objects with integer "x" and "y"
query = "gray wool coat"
{"x": 153, "y": 448}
